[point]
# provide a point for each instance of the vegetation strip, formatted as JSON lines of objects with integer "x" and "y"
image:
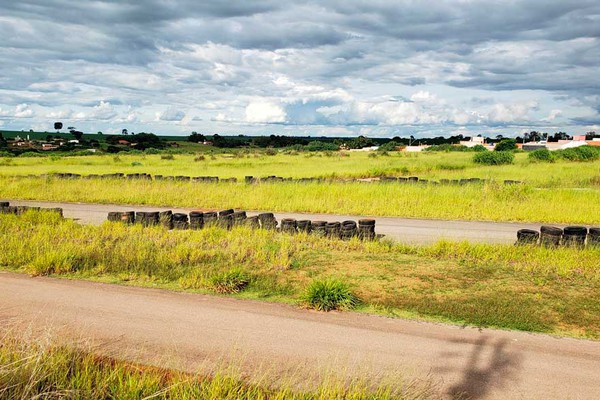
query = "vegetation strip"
{"x": 518, "y": 287}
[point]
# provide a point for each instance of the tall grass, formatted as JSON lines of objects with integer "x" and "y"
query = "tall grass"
{"x": 32, "y": 368}
{"x": 432, "y": 166}
{"x": 489, "y": 202}
{"x": 519, "y": 287}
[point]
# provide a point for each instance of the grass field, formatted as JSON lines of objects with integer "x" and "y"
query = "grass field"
{"x": 525, "y": 288}
{"x": 432, "y": 166}
{"x": 489, "y": 202}
{"x": 32, "y": 368}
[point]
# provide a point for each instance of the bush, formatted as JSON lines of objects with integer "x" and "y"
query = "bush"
{"x": 31, "y": 154}
{"x": 316, "y": 145}
{"x": 506, "y": 145}
{"x": 199, "y": 158}
{"x": 478, "y": 148}
{"x": 582, "y": 153}
{"x": 494, "y": 158}
{"x": 542, "y": 155}
{"x": 329, "y": 295}
{"x": 232, "y": 281}
{"x": 167, "y": 157}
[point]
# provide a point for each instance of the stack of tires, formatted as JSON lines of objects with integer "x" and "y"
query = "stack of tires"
{"x": 593, "y": 238}
{"x": 180, "y": 221}
{"x": 226, "y": 218}
{"x": 349, "y": 230}
{"x": 288, "y": 225}
{"x": 147, "y": 218}
{"x": 252, "y": 222}
{"x": 319, "y": 228}
{"x": 166, "y": 219}
{"x": 550, "y": 236}
{"x": 238, "y": 218}
{"x": 210, "y": 218}
{"x": 114, "y": 216}
{"x": 366, "y": 229}
{"x": 304, "y": 225}
{"x": 527, "y": 236}
{"x": 333, "y": 230}
{"x": 128, "y": 217}
{"x": 196, "y": 220}
{"x": 267, "y": 221}
{"x": 574, "y": 236}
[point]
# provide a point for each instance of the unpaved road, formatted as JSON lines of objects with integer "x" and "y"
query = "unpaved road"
{"x": 188, "y": 330}
{"x": 402, "y": 229}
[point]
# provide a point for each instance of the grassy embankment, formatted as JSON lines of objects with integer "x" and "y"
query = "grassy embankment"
{"x": 489, "y": 202}
{"x": 526, "y": 288}
{"x": 432, "y": 166}
{"x": 31, "y": 368}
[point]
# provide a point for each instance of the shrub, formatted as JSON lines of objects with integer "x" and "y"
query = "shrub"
{"x": 582, "y": 153}
{"x": 31, "y": 154}
{"x": 200, "y": 158}
{"x": 542, "y": 155}
{"x": 329, "y": 295}
{"x": 232, "y": 281}
{"x": 271, "y": 152}
{"x": 167, "y": 157}
{"x": 506, "y": 145}
{"x": 478, "y": 148}
{"x": 316, "y": 145}
{"x": 494, "y": 158}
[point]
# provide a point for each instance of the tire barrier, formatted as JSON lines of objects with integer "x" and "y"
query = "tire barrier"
{"x": 229, "y": 218}
{"x": 6, "y": 208}
{"x": 249, "y": 179}
{"x": 552, "y": 237}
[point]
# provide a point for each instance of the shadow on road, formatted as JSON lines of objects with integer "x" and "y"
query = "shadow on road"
{"x": 489, "y": 366}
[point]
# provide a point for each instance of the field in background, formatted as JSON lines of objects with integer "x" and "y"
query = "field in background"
{"x": 485, "y": 202}
{"x": 526, "y": 288}
{"x": 432, "y": 166}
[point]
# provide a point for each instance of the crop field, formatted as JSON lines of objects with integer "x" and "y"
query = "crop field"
{"x": 561, "y": 192}
{"x": 517, "y": 287}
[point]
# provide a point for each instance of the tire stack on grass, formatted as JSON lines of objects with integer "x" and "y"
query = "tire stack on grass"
{"x": 593, "y": 238}
{"x": 349, "y": 230}
{"x": 527, "y": 236}
{"x": 366, "y": 229}
{"x": 252, "y": 222}
{"x": 238, "y": 218}
{"x": 180, "y": 221}
{"x": 267, "y": 221}
{"x": 333, "y": 230}
{"x": 114, "y": 216}
{"x": 128, "y": 217}
{"x": 319, "y": 228}
{"x": 304, "y": 225}
{"x": 574, "y": 236}
{"x": 196, "y": 220}
{"x": 147, "y": 218}
{"x": 165, "y": 218}
{"x": 210, "y": 218}
{"x": 226, "y": 218}
{"x": 288, "y": 225}
{"x": 550, "y": 236}
{"x": 4, "y": 207}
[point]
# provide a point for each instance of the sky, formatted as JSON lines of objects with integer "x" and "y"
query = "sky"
{"x": 310, "y": 68}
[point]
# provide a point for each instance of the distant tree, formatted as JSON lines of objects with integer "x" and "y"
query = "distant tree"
{"x": 506, "y": 145}
{"x": 77, "y": 134}
{"x": 58, "y": 126}
{"x": 100, "y": 133}
{"x": 3, "y": 143}
{"x": 49, "y": 138}
{"x": 124, "y": 132}
{"x": 196, "y": 138}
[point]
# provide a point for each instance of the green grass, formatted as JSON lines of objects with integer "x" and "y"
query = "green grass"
{"x": 515, "y": 287}
{"x": 489, "y": 202}
{"x": 429, "y": 165}
{"x": 329, "y": 294}
{"x": 31, "y": 368}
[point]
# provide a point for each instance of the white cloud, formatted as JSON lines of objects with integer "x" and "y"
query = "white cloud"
{"x": 263, "y": 111}
{"x": 171, "y": 114}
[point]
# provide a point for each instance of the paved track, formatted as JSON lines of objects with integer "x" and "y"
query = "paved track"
{"x": 195, "y": 330}
{"x": 402, "y": 229}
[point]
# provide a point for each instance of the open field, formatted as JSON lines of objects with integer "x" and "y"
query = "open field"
{"x": 525, "y": 288}
{"x": 483, "y": 202}
{"x": 432, "y": 166}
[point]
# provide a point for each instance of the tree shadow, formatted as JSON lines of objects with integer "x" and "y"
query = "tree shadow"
{"x": 489, "y": 366}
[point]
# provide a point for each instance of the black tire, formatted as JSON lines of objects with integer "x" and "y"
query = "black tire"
{"x": 4, "y": 204}
{"x": 594, "y": 232}
{"x": 128, "y": 217}
{"x": 575, "y": 230}
{"x": 551, "y": 230}
{"x": 366, "y": 222}
{"x": 527, "y": 236}
{"x": 228, "y": 211}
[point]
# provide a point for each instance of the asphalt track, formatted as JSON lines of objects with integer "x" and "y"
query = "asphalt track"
{"x": 191, "y": 332}
{"x": 407, "y": 230}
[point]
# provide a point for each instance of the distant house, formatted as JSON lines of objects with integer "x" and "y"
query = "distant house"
{"x": 124, "y": 142}
{"x": 370, "y": 148}
{"x": 476, "y": 140}
{"x": 49, "y": 146}
{"x": 415, "y": 149}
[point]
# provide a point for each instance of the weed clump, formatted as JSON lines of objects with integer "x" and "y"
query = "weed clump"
{"x": 232, "y": 281}
{"x": 494, "y": 158}
{"x": 541, "y": 155}
{"x": 330, "y": 294}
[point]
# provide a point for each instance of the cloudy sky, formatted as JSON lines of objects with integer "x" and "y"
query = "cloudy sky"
{"x": 335, "y": 68}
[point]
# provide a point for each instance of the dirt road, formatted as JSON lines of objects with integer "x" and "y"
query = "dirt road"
{"x": 403, "y": 229}
{"x": 187, "y": 331}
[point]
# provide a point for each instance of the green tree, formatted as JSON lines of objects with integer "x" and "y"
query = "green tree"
{"x": 506, "y": 145}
